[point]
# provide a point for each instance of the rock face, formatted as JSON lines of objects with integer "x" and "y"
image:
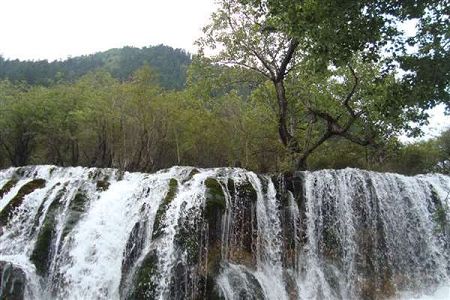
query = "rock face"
{"x": 187, "y": 233}
{"x": 12, "y": 282}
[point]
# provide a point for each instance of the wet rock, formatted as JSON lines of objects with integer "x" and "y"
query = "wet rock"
{"x": 191, "y": 174}
{"x": 242, "y": 235}
{"x": 12, "y": 282}
{"x": 171, "y": 193}
{"x": 42, "y": 253}
{"x": 102, "y": 185}
{"x": 145, "y": 280}
{"x": 41, "y": 208}
{"x": 8, "y": 186}
{"x": 215, "y": 198}
{"x": 15, "y": 202}
{"x": 77, "y": 208}
{"x": 133, "y": 250}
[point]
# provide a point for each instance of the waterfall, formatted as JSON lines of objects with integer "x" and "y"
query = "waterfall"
{"x": 224, "y": 233}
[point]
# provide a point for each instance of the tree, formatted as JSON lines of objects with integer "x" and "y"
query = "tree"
{"x": 21, "y": 115}
{"x": 291, "y": 42}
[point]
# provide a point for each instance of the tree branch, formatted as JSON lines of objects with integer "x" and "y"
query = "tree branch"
{"x": 352, "y": 92}
{"x": 281, "y": 72}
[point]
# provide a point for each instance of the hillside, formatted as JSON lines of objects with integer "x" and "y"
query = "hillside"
{"x": 171, "y": 64}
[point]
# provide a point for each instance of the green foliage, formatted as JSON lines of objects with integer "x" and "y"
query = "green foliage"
{"x": 420, "y": 157}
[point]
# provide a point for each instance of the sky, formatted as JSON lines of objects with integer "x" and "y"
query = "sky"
{"x": 57, "y": 29}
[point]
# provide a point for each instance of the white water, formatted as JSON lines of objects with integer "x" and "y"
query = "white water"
{"x": 358, "y": 232}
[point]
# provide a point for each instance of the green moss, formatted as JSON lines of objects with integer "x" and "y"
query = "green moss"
{"x": 215, "y": 198}
{"x": 41, "y": 253}
{"x": 144, "y": 286}
{"x": 102, "y": 185}
{"x": 42, "y": 206}
{"x": 188, "y": 236}
{"x": 245, "y": 190}
{"x": 76, "y": 208}
{"x": 40, "y": 256}
{"x": 440, "y": 213}
{"x": 8, "y": 186}
{"x": 171, "y": 193}
{"x": 15, "y": 202}
{"x": 173, "y": 187}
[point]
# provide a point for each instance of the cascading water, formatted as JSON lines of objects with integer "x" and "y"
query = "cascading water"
{"x": 186, "y": 233}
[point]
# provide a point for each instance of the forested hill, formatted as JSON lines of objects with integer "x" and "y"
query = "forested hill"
{"x": 171, "y": 64}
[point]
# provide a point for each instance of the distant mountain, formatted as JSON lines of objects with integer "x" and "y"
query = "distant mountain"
{"x": 170, "y": 63}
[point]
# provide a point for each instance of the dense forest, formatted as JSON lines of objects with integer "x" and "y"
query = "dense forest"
{"x": 171, "y": 65}
{"x": 279, "y": 94}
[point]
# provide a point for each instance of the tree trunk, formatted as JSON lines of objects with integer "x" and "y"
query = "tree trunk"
{"x": 285, "y": 136}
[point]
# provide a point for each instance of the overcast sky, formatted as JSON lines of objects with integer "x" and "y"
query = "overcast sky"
{"x": 56, "y": 29}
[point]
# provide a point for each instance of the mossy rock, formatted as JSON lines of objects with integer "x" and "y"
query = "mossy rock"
{"x": 215, "y": 205}
{"x": 12, "y": 282}
{"x": 171, "y": 193}
{"x": 173, "y": 188}
{"x": 120, "y": 174}
{"x": 8, "y": 186}
{"x": 188, "y": 241}
{"x": 144, "y": 283}
{"x": 102, "y": 185}
{"x": 247, "y": 191}
{"x": 231, "y": 187}
{"x": 214, "y": 259}
{"x": 251, "y": 290}
{"x": 15, "y": 202}
{"x": 439, "y": 214}
{"x": 20, "y": 172}
{"x": 215, "y": 198}
{"x": 211, "y": 291}
{"x": 94, "y": 174}
{"x": 77, "y": 208}
{"x": 191, "y": 174}
{"x": 41, "y": 254}
{"x": 133, "y": 250}
{"x": 40, "y": 211}
{"x": 188, "y": 236}
{"x": 286, "y": 184}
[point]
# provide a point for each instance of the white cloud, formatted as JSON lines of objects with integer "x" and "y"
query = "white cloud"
{"x": 438, "y": 122}
{"x": 56, "y": 29}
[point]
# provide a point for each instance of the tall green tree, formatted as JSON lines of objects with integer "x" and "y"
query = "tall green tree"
{"x": 293, "y": 43}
